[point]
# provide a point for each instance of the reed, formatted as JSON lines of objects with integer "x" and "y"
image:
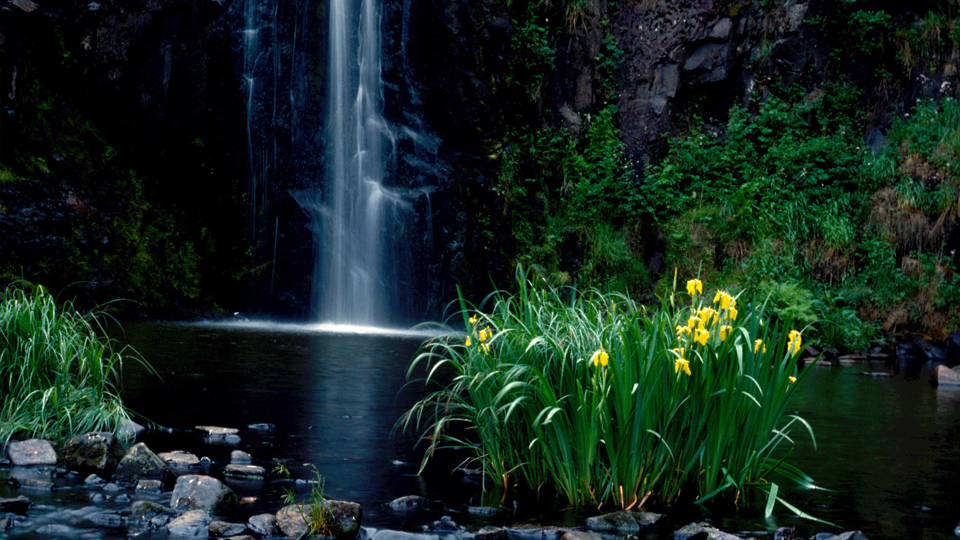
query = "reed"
{"x": 614, "y": 403}
{"x": 57, "y": 376}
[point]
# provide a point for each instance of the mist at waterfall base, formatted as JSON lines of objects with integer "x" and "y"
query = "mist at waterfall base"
{"x": 342, "y": 180}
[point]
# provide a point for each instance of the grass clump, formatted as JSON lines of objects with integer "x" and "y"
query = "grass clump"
{"x": 611, "y": 403}
{"x": 57, "y": 376}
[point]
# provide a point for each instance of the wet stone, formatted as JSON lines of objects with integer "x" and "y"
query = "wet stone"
{"x": 111, "y": 487}
{"x": 945, "y": 376}
{"x": 56, "y": 529}
{"x": 387, "y": 534}
{"x": 192, "y": 523}
{"x": 96, "y": 452}
{"x": 31, "y": 452}
{"x": 249, "y": 472}
{"x": 240, "y": 457}
{"x": 18, "y": 506}
{"x": 492, "y": 533}
{"x": 217, "y": 431}
{"x": 141, "y": 463}
{"x": 179, "y": 459}
{"x": 151, "y": 486}
{"x": 199, "y": 492}
{"x": 93, "y": 480}
{"x": 222, "y": 529}
{"x": 622, "y": 522}
{"x": 580, "y": 535}
{"x": 483, "y": 511}
{"x": 702, "y": 530}
{"x": 261, "y": 427}
{"x": 145, "y": 510}
{"x": 445, "y": 523}
{"x": 263, "y": 524}
{"x": 407, "y": 503}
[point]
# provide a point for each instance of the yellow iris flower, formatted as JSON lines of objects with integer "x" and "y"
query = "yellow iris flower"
{"x": 700, "y": 336}
{"x": 757, "y": 345}
{"x": 682, "y": 364}
{"x": 792, "y": 379}
{"x": 794, "y": 344}
{"x": 473, "y": 319}
{"x": 725, "y": 331}
{"x": 485, "y": 334}
{"x": 694, "y": 286}
{"x": 600, "y": 358}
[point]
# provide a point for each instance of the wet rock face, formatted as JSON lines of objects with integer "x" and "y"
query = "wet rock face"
{"x": 698, "y": 47}
{"x": 93, "y": 453}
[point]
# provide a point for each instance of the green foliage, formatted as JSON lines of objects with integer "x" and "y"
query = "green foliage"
{"x": 531, "y": 48}
{"x": 314, "y": 510}
{"x": 787, "y": 301}
{"x": 57, "y": 376}
{"x": 612, "y": 403}
{"x": 931, "y": 133}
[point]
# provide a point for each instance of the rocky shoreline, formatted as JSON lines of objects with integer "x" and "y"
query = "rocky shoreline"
{"x": 135, "y": 491}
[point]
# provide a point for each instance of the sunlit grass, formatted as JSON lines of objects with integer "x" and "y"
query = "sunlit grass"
{"x": 612, "y": 403}
{"x": 57, "y": 376}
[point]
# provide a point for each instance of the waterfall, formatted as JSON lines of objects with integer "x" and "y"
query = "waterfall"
{"x": 357, "y": 279}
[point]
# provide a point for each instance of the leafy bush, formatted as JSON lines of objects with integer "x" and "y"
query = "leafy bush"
{"x": 57, "y": 376}
{"x": 612, "y": 403}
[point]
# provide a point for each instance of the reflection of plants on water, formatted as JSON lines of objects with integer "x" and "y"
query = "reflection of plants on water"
{"x": 610, "y": 402}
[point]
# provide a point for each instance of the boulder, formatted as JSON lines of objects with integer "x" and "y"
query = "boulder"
{"x": 141, "y": 463}
{"x": 192, "y": 523}
{"x": 945, "y": 376}
{"x": 200, "y": 492}
{"x": 263, "y": 524}
{"x": 31, "y": 452}
{"x": 622, "y": 522}
{"x": 97, "y": 452}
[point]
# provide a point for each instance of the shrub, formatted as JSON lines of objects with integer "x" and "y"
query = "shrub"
{"x": 612, "y": 403}
{"x": 57, "y": 376}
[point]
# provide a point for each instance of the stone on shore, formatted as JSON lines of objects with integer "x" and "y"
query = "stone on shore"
{"x": 200, "y": 492}
{"x": 141, "y": 463}
{"x": 31, "y": 452}
{"x": 97, "y": 452}
{"x": 192, "y": 523}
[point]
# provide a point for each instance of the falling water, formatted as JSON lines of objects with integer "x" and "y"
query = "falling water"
{"x": 357, "y": 277}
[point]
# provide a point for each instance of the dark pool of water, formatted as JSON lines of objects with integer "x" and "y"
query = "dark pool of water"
{"x": 888, "y": 448}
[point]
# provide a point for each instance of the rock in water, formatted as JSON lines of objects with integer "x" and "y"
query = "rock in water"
{"x": 192, "y": 523}
{"x": 344, "y": 519}
{"x": 31, "y": 452}
{"x": 141, "y": 463}
{"x": 97, "y": 452}
{"x": 945, "y": 376}
{"x": 200, "y": 492}
{"x": 18, "y": 506}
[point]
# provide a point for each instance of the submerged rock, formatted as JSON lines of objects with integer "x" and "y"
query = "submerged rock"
{"x": 97, "y": 452}
{"x": 222, "y": 529}
{"x": 141, "y": 463}
{"x": 200, "y": 492}
{"x": 248, "y": 472}
{"x": 31, "y": 452}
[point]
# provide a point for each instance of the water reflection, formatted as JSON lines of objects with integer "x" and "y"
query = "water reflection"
{"x": 888, "y": 448}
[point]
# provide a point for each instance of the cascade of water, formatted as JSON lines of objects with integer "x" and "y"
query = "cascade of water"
{"x": 356, "y": 276}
